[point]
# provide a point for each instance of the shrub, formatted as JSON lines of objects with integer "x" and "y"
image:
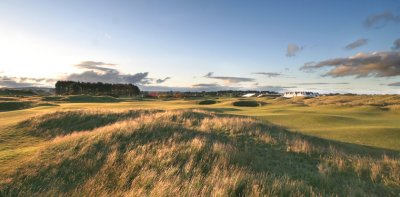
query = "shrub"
{"x": 247, "y": 103}
{"x": 207, "y": 102}
{"x": 52, "y": 98}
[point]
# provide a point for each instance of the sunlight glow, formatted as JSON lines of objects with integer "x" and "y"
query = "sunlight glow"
{"x": 25, "y": 56}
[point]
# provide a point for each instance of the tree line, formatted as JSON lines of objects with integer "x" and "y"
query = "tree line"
{"x": 74, "y": 88}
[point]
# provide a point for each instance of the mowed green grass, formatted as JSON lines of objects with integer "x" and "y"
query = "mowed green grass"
{"x": 363, "y": 125}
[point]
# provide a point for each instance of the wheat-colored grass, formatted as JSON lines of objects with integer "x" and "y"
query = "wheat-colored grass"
{"x": 189, "y": 153}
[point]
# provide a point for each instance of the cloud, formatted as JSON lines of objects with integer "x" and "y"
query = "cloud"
{"x": 205, "y": 85}
{"x": 376, "y": 64}
{"x": 95, "y": 66}
{"x": 322, "y": 83}
{"x": 158, "y": 81}
{"x": 357, "y": 43}
{"x": 381, "y": 19}
{"x": 228, "y": 80}
{"x": 19, "y": 82}
{"x": 394, "y": 84}
{"x": 193, "y": 88}
{"x": 396, "y": 44}
{"x": 101, "y": 72}
{"x": 274, "y": 88}
{"x": 214, "y": 87}
{"x": 209, "y": 74}
{"x": 268, "y": 74}
{"x": 293, "y": 49}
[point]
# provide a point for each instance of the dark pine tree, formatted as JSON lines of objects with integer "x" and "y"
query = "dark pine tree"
{"x": 75, "y": 88}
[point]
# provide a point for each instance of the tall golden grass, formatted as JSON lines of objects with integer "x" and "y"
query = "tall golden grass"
{"x": 191, "y": 153}
{"x": 383, "y": 101}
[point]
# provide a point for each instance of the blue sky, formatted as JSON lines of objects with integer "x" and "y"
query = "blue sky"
{"x": 179, "y": 42}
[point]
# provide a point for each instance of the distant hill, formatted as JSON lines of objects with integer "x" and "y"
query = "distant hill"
{"x": 26, "y": 91}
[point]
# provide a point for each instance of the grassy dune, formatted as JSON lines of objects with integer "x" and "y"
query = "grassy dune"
{"x": 186, "y": 152}
{"x": 364, "y": 120}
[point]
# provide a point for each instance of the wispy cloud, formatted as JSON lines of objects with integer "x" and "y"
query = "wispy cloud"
{"x": 215, "y": 87}
{"x": 357, "y": 43}
{"x": 158, "y": 81}
{"x": 268, "y": 74}
{"x": 293, "y": 49}
{"x": 274, "y": 88}
{"x": 377, "y": 64}
{"x": 322, "y": 83}
{"x": 228, "y": 80}
{"x": 394, "y": 84}
{"x": 102, "y": 66}
{"x": 381, "y": 19}
{"x": 205, "y": 85}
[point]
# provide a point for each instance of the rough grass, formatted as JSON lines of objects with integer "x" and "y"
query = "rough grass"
{"x": 62, "y": 123}
{"x": 207, "y": 102}
{"x": 190, "y": 153}
{"x": 355, "y": 100}
{"x": 369, "y": 125}
{"x": 382, "y": 101}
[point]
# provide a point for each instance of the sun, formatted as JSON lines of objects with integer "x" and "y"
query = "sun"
{"x": 23, "y": 55}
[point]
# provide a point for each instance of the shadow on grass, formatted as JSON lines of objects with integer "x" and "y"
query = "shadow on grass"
{"x": 218, "y": 110}
{"x": 345, "y": 147}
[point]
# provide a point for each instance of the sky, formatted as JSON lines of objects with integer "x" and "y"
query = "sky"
{"x": 187, "y": 45}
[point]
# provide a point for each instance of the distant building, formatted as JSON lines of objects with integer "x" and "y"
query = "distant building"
{"x": 303, "y": 94}
{"x": 249, "y": 95}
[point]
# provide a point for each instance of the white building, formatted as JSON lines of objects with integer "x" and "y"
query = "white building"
{"x": 304, "y": 94}
{"x": 249, "y": 95}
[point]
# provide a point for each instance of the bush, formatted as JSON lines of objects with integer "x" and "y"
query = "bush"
{"x": 52, "y": 98}
{"x": 247, "y": 103}
{"x": 207, "y": 102}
